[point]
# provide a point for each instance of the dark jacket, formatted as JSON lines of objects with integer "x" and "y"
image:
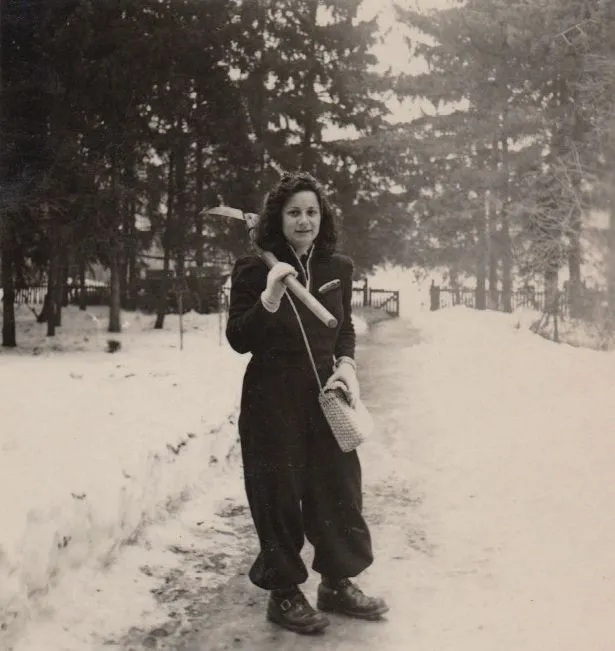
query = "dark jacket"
{"x": 269, "y": 336}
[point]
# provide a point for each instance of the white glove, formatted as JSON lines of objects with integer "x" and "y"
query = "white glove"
{"x": 345, "y": 374}
{"x": 273, "y": 292}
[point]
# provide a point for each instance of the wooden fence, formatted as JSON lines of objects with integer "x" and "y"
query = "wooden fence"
{"x": 590, "y": 303}
{"x": 445, "y": 297}
{"x": 35, "y": 295}
{"x": 381, "y": 299}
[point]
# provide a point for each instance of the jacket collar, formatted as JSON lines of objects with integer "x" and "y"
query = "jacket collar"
{"x": 286, "y": 253}
{"x": 303, "y": 264}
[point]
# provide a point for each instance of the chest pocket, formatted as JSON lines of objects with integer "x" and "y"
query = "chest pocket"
{"x": 330, "y": 295}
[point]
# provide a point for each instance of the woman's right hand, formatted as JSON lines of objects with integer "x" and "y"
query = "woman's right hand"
{"x": 273, "y": 292}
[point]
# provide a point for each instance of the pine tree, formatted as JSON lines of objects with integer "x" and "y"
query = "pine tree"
{"x": 474, "y": 153}
{"x": 511, "y": 67}
{"x": 309, "y": 71}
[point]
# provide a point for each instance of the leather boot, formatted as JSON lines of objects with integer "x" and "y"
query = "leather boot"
{"x": 292, "y": 611}
{"x": 346, "y": 598}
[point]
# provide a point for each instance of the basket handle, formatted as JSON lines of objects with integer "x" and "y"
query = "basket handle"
{"x": 307, "y": 342}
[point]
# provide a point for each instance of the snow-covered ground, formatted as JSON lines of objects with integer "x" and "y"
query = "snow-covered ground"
{"x": 512, "y": 445}
{"x": 95, "y": 446}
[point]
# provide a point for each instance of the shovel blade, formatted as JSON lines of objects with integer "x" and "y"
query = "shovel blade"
{"x": 225, "y": 211}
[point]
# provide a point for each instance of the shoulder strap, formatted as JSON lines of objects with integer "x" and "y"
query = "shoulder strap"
{"x": 305, "y": 339}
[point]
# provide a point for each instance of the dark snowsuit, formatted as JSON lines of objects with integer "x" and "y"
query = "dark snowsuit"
{"x": 298, "y": 482}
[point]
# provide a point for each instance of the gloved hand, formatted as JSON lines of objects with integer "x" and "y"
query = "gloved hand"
{"x": 273, "y": 292}
{"x": 347, "y": 376}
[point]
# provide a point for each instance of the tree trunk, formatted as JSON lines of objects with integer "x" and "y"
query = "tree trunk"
{"x": 123, "y": 259}
{"x": 611, "y": 258}
{"x": 260, "y": 98}
{"x": 507, "y": 263}
{"x": 574, "y": 269}
{"x": 165, "y": 283}
{"x": 9, "y": 337}
{"x": 198, "y": 203}
{"x": 167, "y": 243}
{"x": 83, "y": 297}
{"x": 480, "y": 301}
{"x": 115, "y": 296}
{"x": 310, "y": 127}
{"x": 115, "y": 324}
{"x": 53, "y": 275}
{"x": 65, "y": 285}
{"x": 59, "y": 291}
{"x": 551, "y": 293}
{"x": 574, "y": 131}
{"x": 128, "y": 251}
{"x": 492, "y": 258}
{"x": 131, "y": 254}
{"x": 254, "y": 100}
{"x": 506, "y": 241}
{"x": 56, "y": 297}
{"x": 181, "y": 226}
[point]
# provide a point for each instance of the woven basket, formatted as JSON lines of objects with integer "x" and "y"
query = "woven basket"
{"x": 350, "y": 425}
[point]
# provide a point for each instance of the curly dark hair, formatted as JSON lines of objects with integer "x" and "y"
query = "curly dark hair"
{"x": 269, "y": 235}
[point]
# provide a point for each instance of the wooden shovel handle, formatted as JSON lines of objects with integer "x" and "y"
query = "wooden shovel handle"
{"x": 301, "y": 292}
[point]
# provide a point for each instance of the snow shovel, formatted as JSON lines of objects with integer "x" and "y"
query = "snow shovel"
{"x": 251, "y": 221}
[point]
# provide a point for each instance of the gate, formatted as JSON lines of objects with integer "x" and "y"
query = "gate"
{"x": 386, "y": 300}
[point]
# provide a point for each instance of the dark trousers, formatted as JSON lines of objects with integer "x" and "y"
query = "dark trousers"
{"x": 298, "y": 482}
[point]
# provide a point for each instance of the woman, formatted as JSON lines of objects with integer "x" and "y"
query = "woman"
{"x": 298, "y": 482}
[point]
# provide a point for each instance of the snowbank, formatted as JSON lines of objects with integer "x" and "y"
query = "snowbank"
{"x": 413, "y": 285}
{"x": 471, "y": 346}
{"x": 96, "y": 445}
{"x": 596, "y": 334}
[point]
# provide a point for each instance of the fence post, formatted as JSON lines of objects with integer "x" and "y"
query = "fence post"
{"x": 556, "y": 310}
{"x": 366, "y": 293}
{"x": 434, "y": 295}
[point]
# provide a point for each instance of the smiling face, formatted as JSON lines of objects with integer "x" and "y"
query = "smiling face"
{"x": 301, "y": 220}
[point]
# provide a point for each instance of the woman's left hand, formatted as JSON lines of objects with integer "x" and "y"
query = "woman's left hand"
{"x": 345, "y": 374}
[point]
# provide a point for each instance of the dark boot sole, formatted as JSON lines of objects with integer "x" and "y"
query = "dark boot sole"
{"x": 310, "y": 629}
{"x": 372, "y": 616}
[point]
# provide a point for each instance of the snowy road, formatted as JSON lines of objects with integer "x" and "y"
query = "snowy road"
{"x": 235, "y": 619}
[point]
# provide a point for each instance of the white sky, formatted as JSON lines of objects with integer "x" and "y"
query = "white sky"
{"x": 393, "y": 52}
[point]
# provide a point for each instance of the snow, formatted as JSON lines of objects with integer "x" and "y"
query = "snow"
{"x": 95, "y": 445}
{"x": 91, "y": 454}
{"x": 515, "y": 457}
